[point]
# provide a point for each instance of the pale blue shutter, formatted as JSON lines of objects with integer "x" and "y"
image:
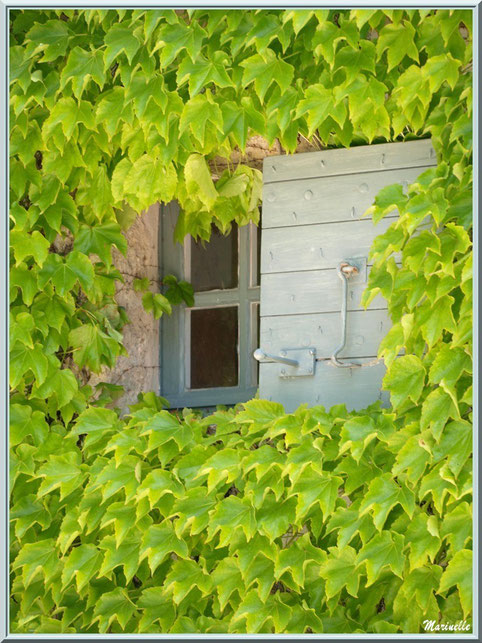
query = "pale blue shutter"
{"x": 312, "y": 208}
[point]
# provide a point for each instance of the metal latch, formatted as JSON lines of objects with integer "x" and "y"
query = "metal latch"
{"x": 294, "y": 362}
{"x": 349, "y": 269}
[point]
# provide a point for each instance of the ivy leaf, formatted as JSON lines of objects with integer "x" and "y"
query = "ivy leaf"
{"x": 156, "y": 303}
{"x": 199, "y": 114}
{"x": 99, "y": 240}
{"x": 448, "y": 365}
{"x": 164, "y": 426}
{"x": 199, "y": 181}
{"x": 405, "y": 379}
{"x": 26, "y": 512}
{"x": 356, "y": 434}
{"x": 156, "y": 607}
{"x": 349, "y": 523}
{"x": 51, "y": 37}
{"x": 274, "y": 518}
{"x": 253, "y": 610}
{"x": 297, "y": 558}
{"x": 227, "y": 579}
{"x": 315, "y": 487}
{"x": 119, "y": 39}
{"x": 149, "y": 180}
{"x": 61, "y": 472}
{"x": 65, "y": 272}
{"x": 112, "y": 479}
{"x": 24, "y": 422}
{"x": 123, "y": 517}
{"x": 456, "y": 527}
{"x": 173, "y": 38}
{"x": 260, "y": 412}
{"x": 113, "y": 605}
{"x": 68, "y": 114}
{"x": 382, "y": 495}
{"x": 82, "y": 66}
{"x": 230, "y": 514}
{"x": 412, "y": 459}
{"x": 24, "y": 359}
{"x": 265, "y": 69}
{"x": 82, "y": 564}
{"x": 194, "y": 508}
{"x": 320, "y": 104}
{"x": 459, "y": 573}
{"x": 203, "y": 72}
{"x": 423, "y": 539}
{"x": 398, "y": 40}
{"x": 125, "y": 554}
{"x": 37, "y": 557}
{"x": 183, "y": 577}
{"x": 455, "y": 445}
{"x": 339, "y": 571}
{"x": 440, "y": 69}
{"x": 436, "y": 410}
{"x": 178, "y": 291}
{"x": 384, "y": 550}
{"x": 92, "y": 347}
{"x": 435, "y": 319}
{"x": 157, "y": 483}
{"x": 96, "y": 423}
{"x": 239, "y": 117}
{"x": 438, "y": 487}
{"x": 158, "y": 542}
{"x": 29, "y": 245}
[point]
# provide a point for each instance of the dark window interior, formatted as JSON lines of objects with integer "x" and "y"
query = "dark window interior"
{"x": 214, "y": 265}
{"x": 214, "y": 347}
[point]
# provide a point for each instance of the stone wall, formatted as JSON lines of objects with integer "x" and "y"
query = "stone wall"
{"x": 139, "y": 371}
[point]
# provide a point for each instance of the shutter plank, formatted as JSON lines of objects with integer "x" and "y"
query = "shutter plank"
{"x": 317, "y": 247}
{"x": 372, "y": 158}
{"x": 365, "y": 331}
{"x": 339, "y": 198}
{"x": 317, "y": 291}
{"x": 355, "y": 387}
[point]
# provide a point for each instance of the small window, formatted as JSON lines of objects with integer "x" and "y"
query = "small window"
{"x": 207, "y": 350}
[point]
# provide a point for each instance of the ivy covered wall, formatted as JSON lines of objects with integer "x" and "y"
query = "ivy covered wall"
{"x": 250, "y": 520}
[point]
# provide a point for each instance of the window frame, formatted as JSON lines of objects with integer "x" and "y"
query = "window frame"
{"x": 175, "y": 329}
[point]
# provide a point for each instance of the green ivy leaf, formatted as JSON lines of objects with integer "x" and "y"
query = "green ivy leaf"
{"x": 459, "y": 573}
{"x": 80, "y": 68}
{"x": 120, "y": 39}
{"x": 339, "y": 571}
{"x": 398, "y": 41}
{"x": 82, "y": 564}
{"x": 264, "y": 69}
{"x": 159, "y": 541}
{"x": 51, "y": 37}
{"x": 383, "y": 494}
{"x": 405, "y": 379}
{"x": 384, "y": 550}
{"x": 113, "y": 605}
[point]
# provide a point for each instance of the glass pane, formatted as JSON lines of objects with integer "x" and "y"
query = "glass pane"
{"x": 214, "y": 264}
{"x": 214, "y": 347}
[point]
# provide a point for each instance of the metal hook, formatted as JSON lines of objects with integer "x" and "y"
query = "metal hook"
{"x": 345, "y": 271}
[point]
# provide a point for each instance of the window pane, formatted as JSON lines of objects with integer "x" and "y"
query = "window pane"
{"x": 214, "y": 347}
{"x": 214, "y": 264}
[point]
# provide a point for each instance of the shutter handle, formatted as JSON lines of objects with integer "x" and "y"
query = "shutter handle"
{"x": 345, "y": 270}
{"x": 259, "y": 355}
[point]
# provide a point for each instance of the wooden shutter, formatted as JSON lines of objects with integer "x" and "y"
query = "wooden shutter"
{"x": 311, "y": 222}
